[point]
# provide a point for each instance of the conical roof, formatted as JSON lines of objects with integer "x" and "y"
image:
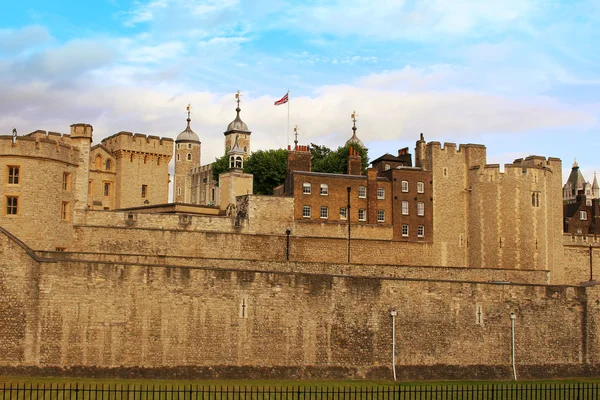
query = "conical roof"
{"x": 187, "y": 135}
{"x": 595, "y": 184}
{"x": 236, "y": 148}
{"x": 237, "y": 124}
{"x": 576, "y": 178}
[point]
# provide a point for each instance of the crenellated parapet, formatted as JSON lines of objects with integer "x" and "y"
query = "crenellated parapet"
{"x": 41, "y": 145}
{"x": 530, "y": 170}
{"x": 127, "y": 142}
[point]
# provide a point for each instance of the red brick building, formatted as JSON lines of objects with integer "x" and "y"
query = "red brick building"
{"x": 393, "y": 194}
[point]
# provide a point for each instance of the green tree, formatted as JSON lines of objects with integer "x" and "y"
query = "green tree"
{"x": 336, "y": 162}
{"x": 269, "y": 169}
{"x": 220, "y": 165}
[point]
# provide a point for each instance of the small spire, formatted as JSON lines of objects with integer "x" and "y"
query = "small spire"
{"x": 354, "y": 115}
{"x": 575, "y": 165}
{"x": 296, "y": 137}
{"x": 238, "y": 97}
{"x": 189, "y": 111}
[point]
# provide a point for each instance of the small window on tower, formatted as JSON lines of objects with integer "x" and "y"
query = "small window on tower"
{"x": 66, "y": 181}
{"x": 108, "y": 165}
{"x": 189, "y": 156}
{"x": 13, "y": 175}
{"x": 144, "y": 191}
{"x": 177, "y": 157}
{"x": 64, "y": 213}
{"x": 189, "y": 145}
{"x": 12, "y": 205}
{"x": 583, "y": 215}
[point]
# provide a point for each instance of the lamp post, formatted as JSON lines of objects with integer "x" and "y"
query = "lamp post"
{"x": 393, "y": 314}
{"x": 348, "y": 217}
{"x": 512, "y": 329}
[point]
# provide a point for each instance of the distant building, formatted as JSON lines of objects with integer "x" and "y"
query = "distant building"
{"x": 576, "y": 183}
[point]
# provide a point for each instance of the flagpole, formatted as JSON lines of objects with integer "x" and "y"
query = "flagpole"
{"x": 288, "y": 124}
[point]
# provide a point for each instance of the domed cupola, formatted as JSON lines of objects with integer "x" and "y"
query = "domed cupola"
{"x": 354, "y": 138}
{"x": 238, "y": 130}
{"x": 188, "y": 135}
{"x": 237, "y": 125}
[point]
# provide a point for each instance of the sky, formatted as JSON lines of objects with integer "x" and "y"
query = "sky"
{"x": 521, "y": 77}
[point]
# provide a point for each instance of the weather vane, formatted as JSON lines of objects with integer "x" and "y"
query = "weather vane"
{"x": 353, "y": 116}
{"x": 189, "y": 110}
{"x": 238, "y": 96}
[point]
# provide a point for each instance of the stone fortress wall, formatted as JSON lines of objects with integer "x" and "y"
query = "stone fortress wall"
{"x": 132, "y": 319}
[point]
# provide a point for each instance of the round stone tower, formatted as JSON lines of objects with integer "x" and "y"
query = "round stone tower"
{"x": 187, "y": 157}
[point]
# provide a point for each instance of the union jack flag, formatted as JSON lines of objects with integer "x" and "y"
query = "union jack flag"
{"x": 283, "y": 100}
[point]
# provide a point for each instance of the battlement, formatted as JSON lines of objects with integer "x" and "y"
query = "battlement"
{"x": 38, "y": 144}
{"x": 139, "y": 143}
{"x": 525, "y": 169}
{"x": 449, "y": 146}
{"x": 581, "y": 240}
{"x": 52, "y": 136}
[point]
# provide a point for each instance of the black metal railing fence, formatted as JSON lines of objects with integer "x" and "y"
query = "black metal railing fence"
{"x": 574, "y": 391}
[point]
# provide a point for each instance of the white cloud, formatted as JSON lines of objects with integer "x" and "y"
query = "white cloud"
{"x": 17, "y": 41}
{"x": 324, "y": 117}
{"x": 414, "y": 20}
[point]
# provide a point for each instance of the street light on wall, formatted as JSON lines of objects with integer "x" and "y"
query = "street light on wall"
{"x": 512, "y": 331}
{"x": 393, "y": 314}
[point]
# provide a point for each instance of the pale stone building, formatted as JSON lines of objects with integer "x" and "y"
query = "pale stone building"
{"x": 194, "y": 182}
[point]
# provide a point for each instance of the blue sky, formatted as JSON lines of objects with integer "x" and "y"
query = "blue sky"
{"x": 520, "y": 76}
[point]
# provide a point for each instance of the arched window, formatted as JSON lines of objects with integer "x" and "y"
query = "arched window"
{"x": 189, "y": 156}
{"x": 177, "y": 157}
{"x": 108, "y": 165}
{"x": 238, "y": 162}
{"x": 98, "y": 161}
